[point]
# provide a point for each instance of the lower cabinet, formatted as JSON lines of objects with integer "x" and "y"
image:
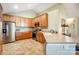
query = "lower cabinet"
{"x": 23, "y": 35}
{"x": 60, "y": 49}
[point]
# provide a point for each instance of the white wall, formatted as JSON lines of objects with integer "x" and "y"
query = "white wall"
{"x": 71, "y": 10}
{"x": 53, "y": 20}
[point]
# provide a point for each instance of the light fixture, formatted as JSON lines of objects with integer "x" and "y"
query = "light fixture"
{"x": 28, "y": 5}
{"x": 69, "y": 20}
{"x": 16, "y": 7}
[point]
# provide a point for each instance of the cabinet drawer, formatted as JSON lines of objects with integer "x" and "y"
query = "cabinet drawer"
{"x": 54, "y": 47}
{"x": 60, "y": 49}
{"x": 69, "y": 47}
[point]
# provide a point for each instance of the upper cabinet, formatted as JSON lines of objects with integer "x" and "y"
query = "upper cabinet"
{"x": 8, "y": 17}
{"x": 28, "y": 22}
{"x": 42, "y": 19}
{"x": 18, "y": 21}
{"x": 5, "y": 17}
{"x": 12, "y": 18}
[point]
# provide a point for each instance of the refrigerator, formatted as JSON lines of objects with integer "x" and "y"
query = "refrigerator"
{"x": 8, "y": 29}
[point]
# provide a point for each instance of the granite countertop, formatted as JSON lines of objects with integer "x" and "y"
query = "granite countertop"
{"x": 59, "y": 38}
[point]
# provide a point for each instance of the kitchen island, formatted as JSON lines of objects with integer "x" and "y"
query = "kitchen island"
{"x": 57, "y": 44}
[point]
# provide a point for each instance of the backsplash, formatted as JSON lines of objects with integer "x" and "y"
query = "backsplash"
{"x": 21, "y": 29}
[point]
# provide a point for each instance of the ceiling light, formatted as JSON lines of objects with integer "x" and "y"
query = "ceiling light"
{"x": 29, "y": 5}
{"x": 16, "y": 6}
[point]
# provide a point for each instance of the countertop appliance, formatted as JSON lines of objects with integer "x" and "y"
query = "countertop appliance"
{"x": 8, "y": 29}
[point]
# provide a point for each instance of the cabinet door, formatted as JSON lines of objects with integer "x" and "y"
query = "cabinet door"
{"x": 4, "y": 17}
{"x": 18, "y": 21}
{"x": 36, "y": 19}
{"x": 23, "y": 22}
{"x": 29, "y": 22}
{"x": 12, "y": 18}
{"x": 44, "y": 20}
{"x": 26, "y": 22}
{"x": 19, "y": 36}
{"x": 33, "y": 22}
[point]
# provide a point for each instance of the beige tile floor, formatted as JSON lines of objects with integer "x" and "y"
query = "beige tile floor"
{"x": 23, "y": 47}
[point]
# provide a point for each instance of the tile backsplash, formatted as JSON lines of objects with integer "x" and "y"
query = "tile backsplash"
{"x": 21, "y": 29}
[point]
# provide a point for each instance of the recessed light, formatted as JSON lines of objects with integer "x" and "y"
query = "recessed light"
{"x": 16, "y": 6}
{"x": 28, "y": 5}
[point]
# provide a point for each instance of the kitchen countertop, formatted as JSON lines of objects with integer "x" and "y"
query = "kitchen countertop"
{"x": 59, "y": 38}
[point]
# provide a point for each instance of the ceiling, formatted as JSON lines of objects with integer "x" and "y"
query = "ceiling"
{"x": 36, "y": 7}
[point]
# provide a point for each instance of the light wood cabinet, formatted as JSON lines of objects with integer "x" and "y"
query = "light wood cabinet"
{"x": 26, "y": 22}
{"x": 4, "y": 17}
{"x": 40, "y": 37}
{"x": 23, "y": 35}
{"x": 42, "y": 19}
{"x": 8, "y": 17}
{"x": 12, "y": 18}
{"x": 18, "y": 21}
{"x": 29, "y": 22}
{"x": 18, "y": 36}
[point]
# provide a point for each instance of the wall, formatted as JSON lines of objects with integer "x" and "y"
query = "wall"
{"x": 71, "y": 10}
{"x": 55, "y": 14}
{"x": 53, "y": 20}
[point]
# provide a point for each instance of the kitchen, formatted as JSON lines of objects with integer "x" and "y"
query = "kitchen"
{"x": 61, "y": 36}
